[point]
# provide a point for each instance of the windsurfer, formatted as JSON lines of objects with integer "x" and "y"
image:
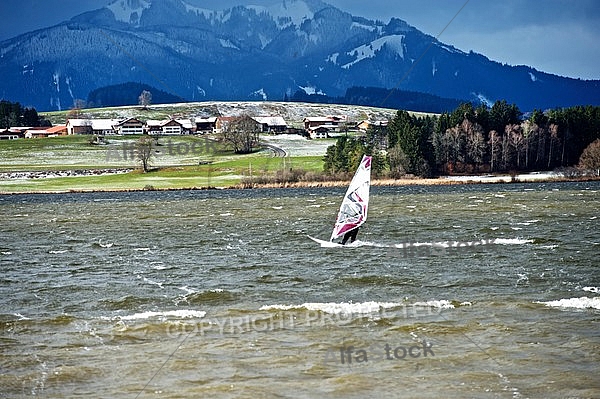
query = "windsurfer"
{"x": 350, "y": 235}
{"x": 353, "y": 210}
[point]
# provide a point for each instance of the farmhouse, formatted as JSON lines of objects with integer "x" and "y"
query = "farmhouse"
{"x": 79, "y": 126}
{"x": 166, "y": 127}
{"x": 313, "y": 122}
{"x": 36, "y": 133}
{"x": 223, "y": 121}
{"x": 59, "y": 130}
{"x": 363, "y": 126}
{"x": 11, "y": 134}
{"x": 187, "y": 126}
{"x": 100, "y": 127}
{"x": 271, "y": 124}
{"x": 204, "y": 125}
{"x": 169, "y": 127}
{"x": 130, "y": 126}
{"x": 331, "y": 123}
{"x": 103, "y": 127}
{"x": 318, "y": 132}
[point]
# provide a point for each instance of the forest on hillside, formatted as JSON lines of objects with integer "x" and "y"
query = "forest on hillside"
{"x": 472, "y": 140}
{"x": 15, "y": 114}
{"x": 127, "y": 94}
{"x": 381, "y": 97}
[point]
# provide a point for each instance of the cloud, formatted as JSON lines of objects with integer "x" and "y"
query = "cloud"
{"x": 21, "y": 16}
{"x": 546, "y": 48}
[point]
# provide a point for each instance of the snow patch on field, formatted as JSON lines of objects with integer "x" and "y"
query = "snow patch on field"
{"x": 295, "y": 145}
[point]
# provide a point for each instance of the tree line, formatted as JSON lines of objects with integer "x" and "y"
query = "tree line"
{"x": 377, "y": 96}
{"x": 127, "y": 94}
{"x": 472, "y": 140}
{"x": 14, "y": 114}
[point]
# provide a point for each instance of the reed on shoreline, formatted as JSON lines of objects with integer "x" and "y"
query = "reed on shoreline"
{"x": 312, "y": 180}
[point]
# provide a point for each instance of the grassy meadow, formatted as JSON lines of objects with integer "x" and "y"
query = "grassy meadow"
{"x": 180, "y": 162}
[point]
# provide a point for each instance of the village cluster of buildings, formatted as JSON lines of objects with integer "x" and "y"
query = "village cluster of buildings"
{"x": 314, "y": 127}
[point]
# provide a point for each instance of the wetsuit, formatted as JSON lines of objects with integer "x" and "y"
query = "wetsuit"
{"x": 350, "y": 235}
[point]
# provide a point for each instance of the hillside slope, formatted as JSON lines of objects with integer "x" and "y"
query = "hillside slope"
{"x": 259, "y": 53}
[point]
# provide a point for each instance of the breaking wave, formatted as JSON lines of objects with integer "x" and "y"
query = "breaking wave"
{"x": 574, "y": 303}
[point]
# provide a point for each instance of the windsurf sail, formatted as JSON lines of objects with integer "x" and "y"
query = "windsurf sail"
{"x": 353, "y": 211}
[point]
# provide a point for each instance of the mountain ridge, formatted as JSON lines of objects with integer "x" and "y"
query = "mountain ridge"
{"x": 259, "y": 53}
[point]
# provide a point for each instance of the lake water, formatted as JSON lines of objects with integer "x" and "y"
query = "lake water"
{"x": 487, "y": 291}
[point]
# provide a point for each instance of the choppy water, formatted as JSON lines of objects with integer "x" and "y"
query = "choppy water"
{"x": 221, "y": 294}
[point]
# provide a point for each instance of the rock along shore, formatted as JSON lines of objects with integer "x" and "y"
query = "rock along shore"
{"x": 47, "y": 174}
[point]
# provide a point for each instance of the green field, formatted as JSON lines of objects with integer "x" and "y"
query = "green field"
{"x": 176, "y": 166}
{"x": 182, "y": 162}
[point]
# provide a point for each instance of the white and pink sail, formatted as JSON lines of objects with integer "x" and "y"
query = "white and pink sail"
{"x": 353, "y": 211}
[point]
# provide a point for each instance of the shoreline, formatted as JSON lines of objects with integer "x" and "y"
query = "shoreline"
{"x": 440, "y": 181}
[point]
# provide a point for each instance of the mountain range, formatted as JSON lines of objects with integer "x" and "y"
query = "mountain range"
{"x": 259, "y": 53}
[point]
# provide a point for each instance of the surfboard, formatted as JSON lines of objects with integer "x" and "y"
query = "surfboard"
{"x": 325, "y": 243}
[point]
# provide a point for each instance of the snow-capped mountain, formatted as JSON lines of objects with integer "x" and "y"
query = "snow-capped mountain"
{"x": 262, "y": 53}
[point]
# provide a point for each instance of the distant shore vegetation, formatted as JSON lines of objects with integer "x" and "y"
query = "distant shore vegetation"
{"x": 476, "y": 140}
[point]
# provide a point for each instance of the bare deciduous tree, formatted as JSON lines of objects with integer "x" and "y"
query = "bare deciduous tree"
{"x": 145, "y": 98}
{"x": 144, "y": 151}
{"x": 590, "y": 158}
{"x": 495, "y": 144}
{"x": 398, "y": 161}
{"x": 454, "y": 142}
{"x": 516, "y": 140}
{"x": 554, "y": 140}
{"x": 475, "y": 143}
{"x": 75, "y": 111}
{"x": 241, "y": 133}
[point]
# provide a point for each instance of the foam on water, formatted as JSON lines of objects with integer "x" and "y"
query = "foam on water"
{"x": 550, "y": 246}
{"x": 595, "y": 290}
{"x": 439, "y": 244}
{"x": 187, "y": 290}
{"x": 181, "y": 314}
{"x": 360, "y": 307}
{"x": 512, "y": 241}
{"x": 55, "y": 252}
{"x": 21, "y": 317}
{"x": 107, "y": 245}
{"x": 151, "y": 282}
{"x": 443, "y": 304}
{"x": 575, "y": 303}
{"x": 338, "y": 308}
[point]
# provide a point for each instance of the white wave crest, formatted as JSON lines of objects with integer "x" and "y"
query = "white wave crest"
{"x": 595, "y": 290}
{"x": 512, "y": 241}
{"x": 443, "y": 304}
{"x": 181, "y": 314}
{"x": 361, "y": 307}
{"x": 575, "y": 303}
{"x": 338, "y": 308}
{"x": 107, "y": 245}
